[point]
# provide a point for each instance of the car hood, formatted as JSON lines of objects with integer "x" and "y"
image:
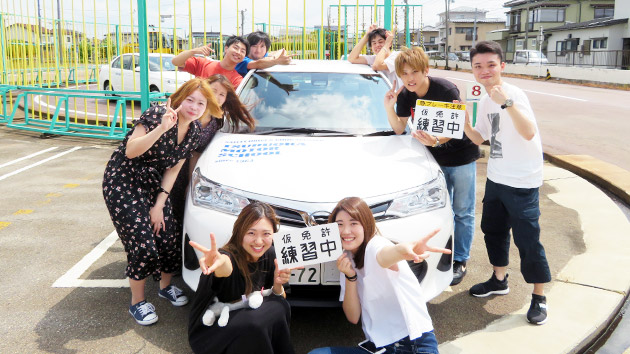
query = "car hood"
{"x": 317, "y": 169}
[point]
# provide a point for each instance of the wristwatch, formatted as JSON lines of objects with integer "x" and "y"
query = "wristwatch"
{"x": 508, "y": 103}
{"x": 437, "y": 142}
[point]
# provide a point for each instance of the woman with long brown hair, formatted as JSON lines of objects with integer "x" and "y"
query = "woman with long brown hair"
{"x": 378, "y": 286}
{"x": 237, "y": 117}
{"x": 136, "y": 187}
{"x": 245, "y": 264}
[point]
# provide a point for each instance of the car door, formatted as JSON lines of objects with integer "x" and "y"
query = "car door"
{"x": 122, "y": 81}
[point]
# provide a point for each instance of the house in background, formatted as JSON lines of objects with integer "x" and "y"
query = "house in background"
{"x": 430, "y": 36}
{"x": 462, "y": 23}
{"x": 604, "y": 41}
{"x": 27, "y": 33}
{"x": 526, "y": 17}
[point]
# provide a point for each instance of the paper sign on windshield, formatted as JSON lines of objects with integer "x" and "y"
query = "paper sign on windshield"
{"x": 310, "y": 245}
{"x": 439, "y": 118}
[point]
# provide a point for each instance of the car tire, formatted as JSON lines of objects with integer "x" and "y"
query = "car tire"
{"x": 108, "y": 87}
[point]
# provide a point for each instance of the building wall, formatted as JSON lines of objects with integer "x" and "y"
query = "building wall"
{"x": 457, "y": 40}
{"x": 613, "y": 33}
{"x": 577, "y": 11}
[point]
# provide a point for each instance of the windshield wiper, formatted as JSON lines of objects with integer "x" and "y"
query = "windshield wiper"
{"x": 312, "y": 131}
{"x": 382, "y": 133}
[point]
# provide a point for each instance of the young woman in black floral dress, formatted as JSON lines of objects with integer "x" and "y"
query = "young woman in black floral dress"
{"x": 236, "y": 115}
{"x": 136, "y": 187}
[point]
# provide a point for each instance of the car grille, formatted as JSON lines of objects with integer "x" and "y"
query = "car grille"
{"x": 298, "y": 218}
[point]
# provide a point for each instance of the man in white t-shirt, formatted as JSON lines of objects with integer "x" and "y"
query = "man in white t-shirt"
{"x": 514, "y": 174}
{"x": 382, "y": 59}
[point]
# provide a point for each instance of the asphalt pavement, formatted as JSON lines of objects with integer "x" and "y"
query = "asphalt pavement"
{"x": 53, "y": 219}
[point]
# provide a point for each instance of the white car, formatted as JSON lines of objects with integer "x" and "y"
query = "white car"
{"x": 529, "y": 57}
{"x": 123, "y": 74}
{"x": 322, "y": 135}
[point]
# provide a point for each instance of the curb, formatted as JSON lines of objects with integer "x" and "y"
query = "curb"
{"x": 610, "y": 177}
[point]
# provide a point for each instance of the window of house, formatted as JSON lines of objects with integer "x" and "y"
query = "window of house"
{"x": 432, "y": 40}
{"x": 467, "y": 30}
{"x": 600, "y": 43}
{"x": 519, "y": 43}
{"x": 604, "y": 12}
{"x": 546, "y": 14}
{"x": 510, "y": 45}
{"x": 569, "y": 45}
{"x": 533, "y": 43}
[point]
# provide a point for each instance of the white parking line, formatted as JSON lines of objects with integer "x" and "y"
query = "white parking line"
{"x": 538, "y": 92}
{"x": 550, "y": 94}
{"x": 27, "y": 157}
{"x": 38, "y": 163}
{"x": 72, "y": 277}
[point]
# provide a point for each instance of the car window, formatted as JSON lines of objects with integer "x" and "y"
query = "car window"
{"x": 521, "y": 55}
{"x": 351, "y": 103}
{"x": 116, "y": 63}
{"x": 127, "y": 62}
{"x": 167, "y": 65}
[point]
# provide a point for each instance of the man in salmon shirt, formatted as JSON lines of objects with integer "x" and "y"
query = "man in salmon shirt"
{"x": 235, "y": 50}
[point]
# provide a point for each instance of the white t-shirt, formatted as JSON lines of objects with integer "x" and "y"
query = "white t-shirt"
{"x": 390, "y": 61}
{"x": 392, "y": 307}
{"x": 513, "y": 161}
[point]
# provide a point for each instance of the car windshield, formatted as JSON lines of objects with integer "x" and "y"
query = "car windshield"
{"x": 167, "y": 65}
{"x": 306, "y": 102}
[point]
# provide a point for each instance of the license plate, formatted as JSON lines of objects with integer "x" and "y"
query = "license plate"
{"x": 309, "y": 275}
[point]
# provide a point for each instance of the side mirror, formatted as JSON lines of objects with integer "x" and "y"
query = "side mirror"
{"x": 137, "y": 68}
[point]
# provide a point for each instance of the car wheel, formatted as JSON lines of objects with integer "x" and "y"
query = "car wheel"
{"x": 108, "y": 87}
{"x": 154, "y": 88}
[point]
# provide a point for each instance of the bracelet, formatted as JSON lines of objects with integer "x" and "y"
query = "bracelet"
{"x": 352, "y": 278}
{"x": 282, "y": 293}
{"x": 164, "y": 190}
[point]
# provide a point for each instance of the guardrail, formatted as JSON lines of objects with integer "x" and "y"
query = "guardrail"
{"x": 595, "y": 58}
{"x": 45, "y": 119}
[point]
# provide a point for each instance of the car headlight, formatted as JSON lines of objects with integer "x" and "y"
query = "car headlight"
{"x": 429, "y": 196}
{"x": 212, "y": 195}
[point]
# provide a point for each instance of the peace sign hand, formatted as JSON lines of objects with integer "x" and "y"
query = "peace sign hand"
{"x": 170, "y": 117}
{"x": 372, "y": 28}
{"x": 418, "y": 251}
{"x": 392, "y": 95}
{"x": 211, "y": 259}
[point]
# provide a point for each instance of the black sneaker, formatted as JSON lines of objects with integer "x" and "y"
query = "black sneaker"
{"x": 459, "y": 271}
{"x": 537, "y": 313}
{"x": 491, "y": 287}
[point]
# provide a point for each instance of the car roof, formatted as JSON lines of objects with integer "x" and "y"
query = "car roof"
{"x": 322, "y": 66}
{"x": 151, "y": 54}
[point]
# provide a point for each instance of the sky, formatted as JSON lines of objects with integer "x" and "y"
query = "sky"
{"x": 115, "y": 11}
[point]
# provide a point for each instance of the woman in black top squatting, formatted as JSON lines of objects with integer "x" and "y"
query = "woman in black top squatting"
{"x": 246, "y": 263}
{"x": 136, "y": 187}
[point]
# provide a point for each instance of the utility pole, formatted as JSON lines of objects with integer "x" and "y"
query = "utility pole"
{"x": 446, "y": 29}
{"x": 243, "y": 21}
{"x": 474, "y": 29}
{"x": 407, "y": 37}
